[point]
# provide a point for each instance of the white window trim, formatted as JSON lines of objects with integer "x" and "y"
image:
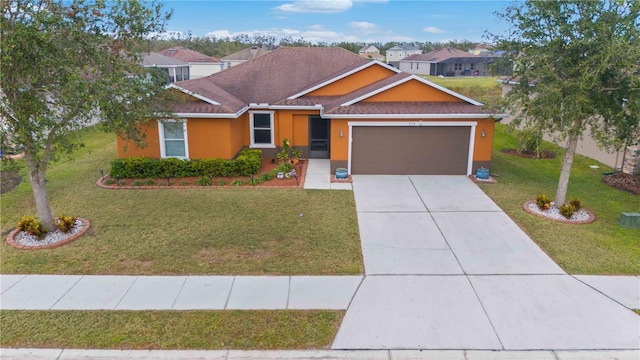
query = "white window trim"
{"x": 163, "y": 150}
{"x": 263, "y": 146}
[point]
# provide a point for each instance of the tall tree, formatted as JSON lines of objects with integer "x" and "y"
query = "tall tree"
{"x": 66, "y": 64}
{"x": 578, "y": 66}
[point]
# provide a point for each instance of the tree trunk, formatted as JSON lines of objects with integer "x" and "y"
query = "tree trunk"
{"x": 567, "y": 163}
{"x": 37, "y": 180}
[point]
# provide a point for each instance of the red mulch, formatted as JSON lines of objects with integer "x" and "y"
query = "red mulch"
{"x": 545, "y": 154}
{"x": 625, "y": 182}
{"x": 267, "y": 166}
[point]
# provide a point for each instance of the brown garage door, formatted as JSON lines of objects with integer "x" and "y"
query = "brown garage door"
{"x": 410, "y": 150}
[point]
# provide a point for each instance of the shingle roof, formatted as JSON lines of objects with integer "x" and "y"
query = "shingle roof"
{"x": 279, "y": 74}
{"x": 155, "y": 59}
{"x": 389, "y": 108}
{"x": 188, "y": 55}
{"x": 403, "y": 47}
{"x": 447, "y": 55}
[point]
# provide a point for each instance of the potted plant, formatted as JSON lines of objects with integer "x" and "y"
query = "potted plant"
{"x": 482, "y": 173}
{"x": 341, "y": 173}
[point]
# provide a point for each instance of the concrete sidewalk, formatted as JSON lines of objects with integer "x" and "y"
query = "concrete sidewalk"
{"x": 319, "y": 175}
{"x": 95, "y": 292}
{"x": 75, "y": 354}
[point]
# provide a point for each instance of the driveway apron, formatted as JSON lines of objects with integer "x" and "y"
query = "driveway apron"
{"x": 448, "y": 269}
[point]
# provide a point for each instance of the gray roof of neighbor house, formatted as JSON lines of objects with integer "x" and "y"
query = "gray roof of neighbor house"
{"x": 155, "y": 59}
{"x": 403, "y": 47}
{"x": 447, "y": 55}
{"x": 247, "y": 54}
{"x": 188, "y": 55}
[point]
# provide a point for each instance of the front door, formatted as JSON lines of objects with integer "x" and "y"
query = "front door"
{"x": 319, "y": 130}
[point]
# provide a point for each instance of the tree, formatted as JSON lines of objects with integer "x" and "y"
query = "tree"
{"x": 65, "y": 64}
{"x": 578, "y": 66}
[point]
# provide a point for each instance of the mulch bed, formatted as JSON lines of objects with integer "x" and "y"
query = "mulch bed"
{"x": 9, "y": 180}
{"x": 217, "y": 182}
{"x": 545, "y": 154}
{"x": 625, "y": 182}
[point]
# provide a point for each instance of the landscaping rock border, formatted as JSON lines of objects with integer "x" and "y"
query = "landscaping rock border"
{"x": 11, "y": 238}
{"x": 590, "y": 216}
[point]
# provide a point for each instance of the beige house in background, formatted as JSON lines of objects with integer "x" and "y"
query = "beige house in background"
{"x": 200, "y": 64}
{"x": 447, "y": 62}
{"x": 244, "y": 55}
{"x": 397, "y": 53}
{"x": 371, "y": 52}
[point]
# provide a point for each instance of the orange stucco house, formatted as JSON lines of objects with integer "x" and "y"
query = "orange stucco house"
{"x": 361, "y": 114}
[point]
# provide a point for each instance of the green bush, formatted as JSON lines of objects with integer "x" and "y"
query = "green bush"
{"x": 529, "y": 142}
{"x": 577, "y": 203}
{"x": 65, "y": 223}
{"x": 109, "y": 182}
{"x": 31, "y": 226}
{"x": 236, "y": 182}
{"x": 149, "y": 182}
{"x": 543, "y": 202}
{"x": 248, "y": 162}
{"x": 221, "y": 182}
{"x": 204, "y": 181}
{"x": 567, "y": 210}
{"x": 137, "y": 183}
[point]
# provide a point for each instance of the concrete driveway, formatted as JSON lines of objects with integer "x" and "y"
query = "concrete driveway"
{"x": 448, "y": 269}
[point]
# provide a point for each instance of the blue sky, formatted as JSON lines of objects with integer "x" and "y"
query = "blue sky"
{"x": 340, "y": 20}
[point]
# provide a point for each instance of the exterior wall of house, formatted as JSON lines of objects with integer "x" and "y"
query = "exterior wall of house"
{"x": 151, "y": 150}
{"x": 449, "y": 69}
{"x": 413, "y": 90}
{"x": 354, "y": 81}
{"x": 201, "y": 70}
{"x": 415, "y": 67}
{"x": 209, "y": 138}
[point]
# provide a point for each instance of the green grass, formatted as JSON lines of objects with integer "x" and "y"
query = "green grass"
{"x": 485, "y": 89}
{"x": 170, "y": 329}
{"x": 184, "y": 231}
{"x": 602, "y": 247}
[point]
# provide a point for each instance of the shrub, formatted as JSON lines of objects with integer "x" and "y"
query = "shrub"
{"x": 567, "y": 210}
{"x": 137, "y": 183}
{"x": 31, "y": 226}
{"x": 109, "y": 182}
{"x": 185, "y": 183}
{"x": 204, "y": 181}
{"x": 221, "y": 182}
{"x": 267, "y": 176}
{"x": 149, "y": 182}
{"x": 529, "y": 141}
{"x": 543, "y": 202}
{"x": 65, "y": 223}
{"x": 236, "y": 182}
{"x": 248, "y": 162}
{"x": 253, "y": 181}
{"x": 577, "y": 203}
{"x": 122, "y": 183}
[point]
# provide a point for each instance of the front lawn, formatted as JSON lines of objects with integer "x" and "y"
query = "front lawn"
{"x": 602, "y": 247}
{"x": 184, "y": 231}
{"x": 167, "y": 330}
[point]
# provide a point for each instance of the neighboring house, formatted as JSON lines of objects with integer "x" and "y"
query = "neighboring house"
{"x": 397, "y": 53}
{"x": 371, "y": 52}
{"x": 201, "y": 64}
{"x": 176, "y": 70}
{"x": 363, "y": 115}
{"x": 480, "y": 49}
{"x": 587, "y": 146}
{"x": 242, "y": 56}
{"x": 447, "y": 62}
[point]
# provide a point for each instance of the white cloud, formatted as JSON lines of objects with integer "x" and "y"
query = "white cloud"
{"x": 316, "y": 6}
{"x": 433, "y": 30}
{"x": 219, "y": 34}
{"x": 362, "y": 25}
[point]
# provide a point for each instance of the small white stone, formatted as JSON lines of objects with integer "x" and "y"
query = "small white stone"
{"x": 25, "y": 239}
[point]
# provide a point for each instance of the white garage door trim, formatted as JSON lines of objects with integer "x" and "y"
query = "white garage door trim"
{"x": 471, "y": 124}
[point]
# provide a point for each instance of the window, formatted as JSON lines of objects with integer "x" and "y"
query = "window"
{"x": 261, "y": 129}
{"x": 472, "y": 67}
{"x": 173, "y": 139}
{"x": 457, "y": 66}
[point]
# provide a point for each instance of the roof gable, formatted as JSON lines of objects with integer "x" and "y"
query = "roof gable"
{"x": 350, "y": 81}
{"x": 411, "y": 89}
